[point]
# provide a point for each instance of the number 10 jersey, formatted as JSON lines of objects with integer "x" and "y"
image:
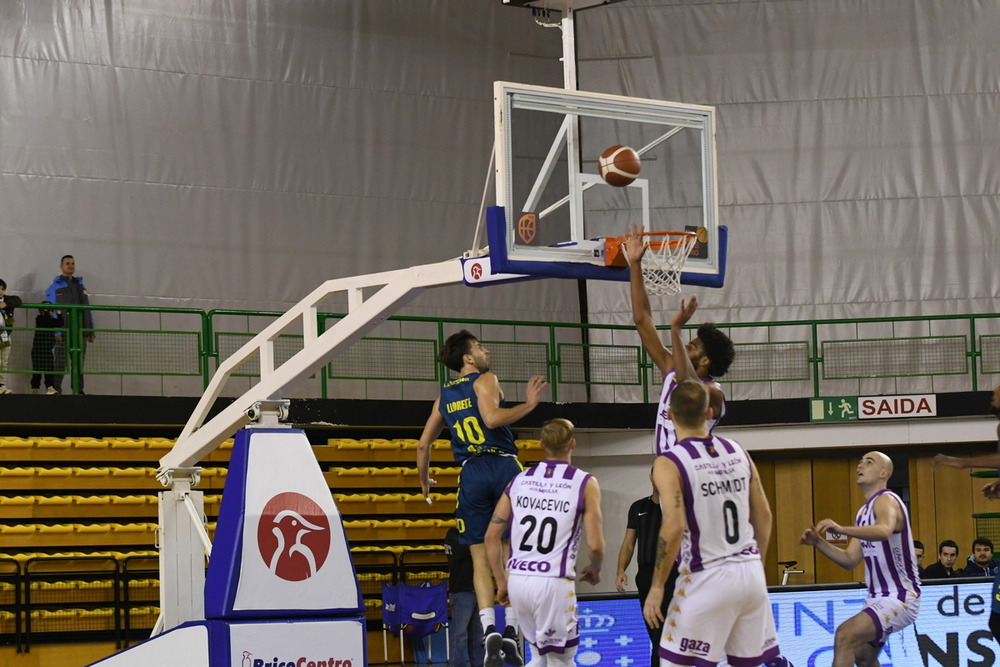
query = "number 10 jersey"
{"x": 715, "y": 483}
{"x": 470, "y": 436}
{"x": 546, "y": 519}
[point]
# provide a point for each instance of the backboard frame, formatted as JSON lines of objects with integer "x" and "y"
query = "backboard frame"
{"x": 582, "y": 255}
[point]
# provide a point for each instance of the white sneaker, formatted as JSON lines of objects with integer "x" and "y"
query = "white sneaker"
{"x": 52, "y": 390}
{"x": 33, "y": 392}
{"x": 5, "y": 390}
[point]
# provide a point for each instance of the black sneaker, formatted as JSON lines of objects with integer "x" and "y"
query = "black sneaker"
{"x": 493, "y": 642}
{"x": 511, "y": 648}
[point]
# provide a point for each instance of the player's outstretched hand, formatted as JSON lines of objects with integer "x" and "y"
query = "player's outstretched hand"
{"x": 634, "y": 245}
{"x": 828, "y": 526}
{"x": 991, "y": 491}
{"x": 944, "y": 461}
{"x": 534, "y": 391}
{"x": 651, "y": 610}
{"x": 810, "y": 537}
{"x": 591, "y": 575}
{"x": 686, "y": 312}
{"x": 621, "y": 581}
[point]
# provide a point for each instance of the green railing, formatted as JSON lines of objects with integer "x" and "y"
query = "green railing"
{"x": 173, "y": 351}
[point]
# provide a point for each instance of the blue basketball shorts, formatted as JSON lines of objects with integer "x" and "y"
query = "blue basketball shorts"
{"x": 480, "y": 485}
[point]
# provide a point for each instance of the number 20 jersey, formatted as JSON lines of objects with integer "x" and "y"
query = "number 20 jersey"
{"x": 547, "y": 506}
{"x": 459, "y": 406}
{"x": 715, "y": 483}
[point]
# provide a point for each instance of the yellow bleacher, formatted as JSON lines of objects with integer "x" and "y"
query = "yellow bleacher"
{"x": 83, "y": 495}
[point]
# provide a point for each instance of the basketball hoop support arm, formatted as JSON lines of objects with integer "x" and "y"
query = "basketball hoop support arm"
{"x": 572, "y": 125}
{"x": 370, "y": 299}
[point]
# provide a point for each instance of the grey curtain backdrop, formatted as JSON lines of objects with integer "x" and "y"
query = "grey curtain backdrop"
{"x": 858, "y": 146}
{"x": 236, "y": 153}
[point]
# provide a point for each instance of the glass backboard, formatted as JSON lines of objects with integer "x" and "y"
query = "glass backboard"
{"x": 555, "y": 212}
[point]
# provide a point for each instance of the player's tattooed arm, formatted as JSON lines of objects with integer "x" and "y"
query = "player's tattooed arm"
{"x": 651, "y": 610}
{"x": 499, "y": 519}
{"x": 661, "y": 551}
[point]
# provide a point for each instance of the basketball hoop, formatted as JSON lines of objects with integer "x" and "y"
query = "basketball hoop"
{"x": 663, "y": 262}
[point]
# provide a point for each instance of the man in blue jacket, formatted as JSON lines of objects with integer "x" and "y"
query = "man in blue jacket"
{"x": 981, "y": 563}
{"x": 68, "y": 289}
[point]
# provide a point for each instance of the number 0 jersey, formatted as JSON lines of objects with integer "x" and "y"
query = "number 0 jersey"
{"x": 469, "y": 435}
{"x": 665, "y": 436}
{"x": 715, "y": 482}
{"x": 547, "y": 506}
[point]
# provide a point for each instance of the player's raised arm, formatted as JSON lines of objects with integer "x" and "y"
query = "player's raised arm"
{"x": 984, "y": 461}
{"x": 432, "y": 429}
{"x": 679, "y": 355}
{"x": 487, "y": 388}
{"x": 593, "y": 523}
{"x": 642, "y": 313}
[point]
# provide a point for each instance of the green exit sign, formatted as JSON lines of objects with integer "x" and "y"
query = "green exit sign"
{"x": 835, "y": 409}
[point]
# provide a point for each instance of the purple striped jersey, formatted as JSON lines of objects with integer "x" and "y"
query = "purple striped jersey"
{"x": 665, "y": 437}
{"x": 890, "y": 565}
{"x": 546, "y": 519}
{"x": 715, "y": 482}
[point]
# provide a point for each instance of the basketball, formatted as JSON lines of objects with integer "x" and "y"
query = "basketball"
{"x": 619, "y": 165}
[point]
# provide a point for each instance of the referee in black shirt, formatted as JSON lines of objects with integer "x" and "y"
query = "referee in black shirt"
{"x": 641, "y": 533}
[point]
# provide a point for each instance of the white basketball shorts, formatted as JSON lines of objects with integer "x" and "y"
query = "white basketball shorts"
{"x": 546, "y": 610}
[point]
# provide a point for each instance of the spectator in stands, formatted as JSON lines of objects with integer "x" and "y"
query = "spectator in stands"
{"x": 8, "y": 302}
{"x": 945, "y": 566}
{"x": 981, "y": 563}
{"x": 918, "y": 551}
{"x": 66, "y": 288}
{"x": 42, "y": 363}
{"x": 466, "y": 632}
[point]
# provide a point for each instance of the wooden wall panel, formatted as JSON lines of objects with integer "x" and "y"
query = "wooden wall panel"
{"x": 953, "y": 507}
{"x": 766, "y": 471}
{"x": 793, "y": 512}
{"x": 923, "y": 501}
{"x": 833, "y": 499}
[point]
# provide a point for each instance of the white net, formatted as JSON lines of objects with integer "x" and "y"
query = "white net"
{"x": 664, "y": 260}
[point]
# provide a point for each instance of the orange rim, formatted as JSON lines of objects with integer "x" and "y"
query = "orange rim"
{"x": 614, "y": 256}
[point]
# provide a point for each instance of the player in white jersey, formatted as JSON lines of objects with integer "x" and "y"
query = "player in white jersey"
{"x": 716, "y": 524}
{"x": 665, "y": 435}
{"x": 546, "y": 508}
{"x": 707, "y": 356}
{"x": 881, "y": 537}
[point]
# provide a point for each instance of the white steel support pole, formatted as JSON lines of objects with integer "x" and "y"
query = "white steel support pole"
{"x": 572, "y": 125}
{"x": 182, "y": 554}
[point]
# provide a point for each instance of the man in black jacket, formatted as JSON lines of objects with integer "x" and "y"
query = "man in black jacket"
{"x": 945, "y": 566}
